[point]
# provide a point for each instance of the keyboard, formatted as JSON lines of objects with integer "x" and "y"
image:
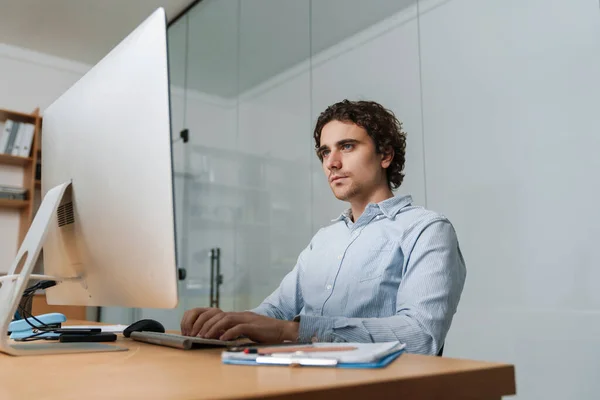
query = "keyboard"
{"x": 183, "y": 342}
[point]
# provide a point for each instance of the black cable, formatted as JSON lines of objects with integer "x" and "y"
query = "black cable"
{"x": 30, "y": 338}
{"x": 28, "y": 295}
{"x": 25, "y": 303}
{"x": 42, "y": 325}
{"x": 39, "y": 286}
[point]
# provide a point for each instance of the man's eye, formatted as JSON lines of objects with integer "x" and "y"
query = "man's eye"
{"x": 324, "y": 153}
{"x": 347, "y": 146}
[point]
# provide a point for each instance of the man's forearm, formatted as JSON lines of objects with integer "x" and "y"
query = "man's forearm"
{"x": 291, "y": 327}
{"x": 368, "y": 330}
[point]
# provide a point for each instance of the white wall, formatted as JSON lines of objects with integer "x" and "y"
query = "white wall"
{"x": 511, "y": 91}
{"x": 380, "y": 64}
{"x": 510, "y": 122}
{"x": 30, "y": 80}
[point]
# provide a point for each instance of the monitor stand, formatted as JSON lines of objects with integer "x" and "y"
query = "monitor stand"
{"x": 11, "y": 290}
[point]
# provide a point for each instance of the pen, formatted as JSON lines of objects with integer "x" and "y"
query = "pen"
{"x": 296, "y": 349}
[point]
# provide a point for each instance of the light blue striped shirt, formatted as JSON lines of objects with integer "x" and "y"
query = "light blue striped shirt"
{"x": 397, "y": 273}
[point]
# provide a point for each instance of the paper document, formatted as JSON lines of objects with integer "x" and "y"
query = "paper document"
{"x": 349, "y": 353}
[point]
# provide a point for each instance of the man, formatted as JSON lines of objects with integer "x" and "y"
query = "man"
{"x": 385, "y": 270}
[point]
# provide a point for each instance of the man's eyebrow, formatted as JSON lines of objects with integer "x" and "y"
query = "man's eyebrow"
{"x": 339, "y": 143}
{"x": 321, "y": 148}
{"x": 346, "y": 141}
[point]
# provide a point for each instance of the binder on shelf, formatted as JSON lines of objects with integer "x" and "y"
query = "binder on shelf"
{"x": 13, "y": 193}
{"x": 5, "y": 135}
{"x": 24, "y": 140}
{"x": 16, "y": 146}
{"x": 12, "y": 137}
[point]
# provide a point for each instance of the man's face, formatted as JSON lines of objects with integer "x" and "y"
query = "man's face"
{"x": 351, "y": 164}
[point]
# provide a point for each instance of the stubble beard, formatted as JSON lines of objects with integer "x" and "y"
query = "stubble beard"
{"x": 346, "y": 193}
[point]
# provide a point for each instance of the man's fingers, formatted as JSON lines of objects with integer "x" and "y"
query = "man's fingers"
{"x": 189, "y": 317}
{"x": 208, "y": 324}
{"x": 228, "y": 320}
{"x": 201, "y": 319}
{"x": 249, "y": 330}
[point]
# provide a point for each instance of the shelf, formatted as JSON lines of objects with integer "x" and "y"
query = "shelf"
{"x": 7, "y": 159}
{"x": 17, "y": 116}
{"x": 38, "y": 183}
{"x": 6, "y": 203}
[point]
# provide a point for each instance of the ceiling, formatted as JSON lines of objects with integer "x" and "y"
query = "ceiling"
{"x": 78, "y": 30}
{"x": 271, "y": 36}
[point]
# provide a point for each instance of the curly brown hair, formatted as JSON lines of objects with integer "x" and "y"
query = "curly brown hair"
{"x": 380, "y": 123}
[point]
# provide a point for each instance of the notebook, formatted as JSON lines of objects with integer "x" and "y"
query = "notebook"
{"x": 340, "y": 355}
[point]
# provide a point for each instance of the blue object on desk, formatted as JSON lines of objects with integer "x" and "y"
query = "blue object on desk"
{"x": 383, "y": 362}
{"x": 23, "y": 328}
{"x": 30, "y": 333}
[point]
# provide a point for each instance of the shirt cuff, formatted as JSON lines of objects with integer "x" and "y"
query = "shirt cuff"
{"x": 315, "y": 329}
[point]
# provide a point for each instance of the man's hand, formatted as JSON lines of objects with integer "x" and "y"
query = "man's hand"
{"x": 213, "y": 323}
{"x": 194, "y": 319}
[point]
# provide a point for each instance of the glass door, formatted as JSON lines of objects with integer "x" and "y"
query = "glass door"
{"x": 211, "y": 199}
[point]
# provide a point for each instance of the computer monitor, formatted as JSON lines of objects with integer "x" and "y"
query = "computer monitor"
{"x": 107, "y": 180}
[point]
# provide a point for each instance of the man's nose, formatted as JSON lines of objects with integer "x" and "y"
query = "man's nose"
{"x": 334, "y": 160}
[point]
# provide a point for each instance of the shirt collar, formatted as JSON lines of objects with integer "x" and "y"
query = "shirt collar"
{"x": 389, "y": 207}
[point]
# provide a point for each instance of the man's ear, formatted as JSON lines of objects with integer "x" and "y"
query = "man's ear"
{"x": 387, "y": 156}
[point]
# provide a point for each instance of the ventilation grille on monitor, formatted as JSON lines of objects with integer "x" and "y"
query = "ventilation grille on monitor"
{"x": 65, "y": 214}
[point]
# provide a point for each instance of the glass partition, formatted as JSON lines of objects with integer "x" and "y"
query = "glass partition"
{"x": 249, "y": 79}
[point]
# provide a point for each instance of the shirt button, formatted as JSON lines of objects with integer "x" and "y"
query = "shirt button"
{"x": 340, "y": 256}
{"x": 329, "y": 287}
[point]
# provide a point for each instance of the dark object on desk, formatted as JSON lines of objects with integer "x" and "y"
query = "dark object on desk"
{"x": 25, "y": 306}
{"x": 97, "y": 337}
{"x": 75, "y": 331}
{"x": 144, "y": 325}
{"x": 441, "y": 352}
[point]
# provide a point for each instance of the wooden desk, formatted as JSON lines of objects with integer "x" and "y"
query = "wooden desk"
{"x": 154, "y": 372}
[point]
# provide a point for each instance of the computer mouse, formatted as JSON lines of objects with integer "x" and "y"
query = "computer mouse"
{"x": 147, "y": 325}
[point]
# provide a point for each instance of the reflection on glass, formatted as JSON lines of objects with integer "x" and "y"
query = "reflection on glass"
{"x": 258, "y": 72}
